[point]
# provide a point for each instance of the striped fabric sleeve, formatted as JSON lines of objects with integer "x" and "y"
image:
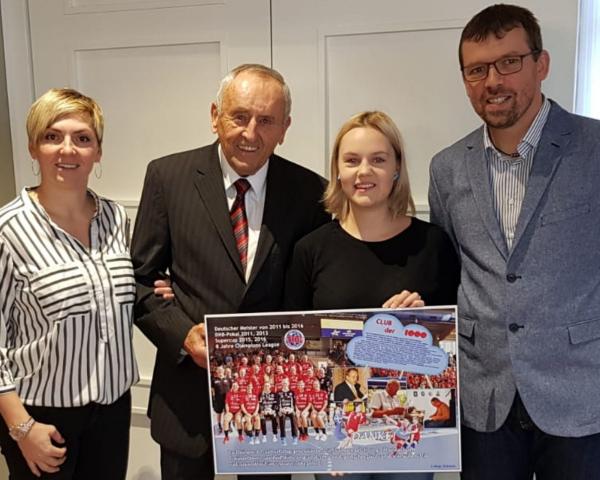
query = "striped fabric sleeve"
{"x": 6, "y": 301}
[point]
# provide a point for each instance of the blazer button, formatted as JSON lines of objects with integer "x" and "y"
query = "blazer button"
{"x": 514, "y": 328}
{"x": 511, "y": 277}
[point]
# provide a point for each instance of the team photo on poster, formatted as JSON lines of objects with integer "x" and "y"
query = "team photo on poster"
{"x": 351, "y": 390}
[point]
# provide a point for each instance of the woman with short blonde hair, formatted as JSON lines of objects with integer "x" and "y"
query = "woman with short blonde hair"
{"x": 66, "y": 306}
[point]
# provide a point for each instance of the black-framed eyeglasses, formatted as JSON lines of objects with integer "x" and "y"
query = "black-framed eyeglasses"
{"x": 504, "y": 66}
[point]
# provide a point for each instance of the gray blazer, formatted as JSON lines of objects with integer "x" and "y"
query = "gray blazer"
{"x": 529, "y": 318}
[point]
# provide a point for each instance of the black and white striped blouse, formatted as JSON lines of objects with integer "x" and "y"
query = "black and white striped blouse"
{"x": 65, "y": 310}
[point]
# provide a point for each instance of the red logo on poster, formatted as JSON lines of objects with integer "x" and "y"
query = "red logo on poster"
{"x": 294, "y": 339}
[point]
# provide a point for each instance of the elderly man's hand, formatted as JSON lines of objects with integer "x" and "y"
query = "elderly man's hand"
{"x": 195, "y": 345}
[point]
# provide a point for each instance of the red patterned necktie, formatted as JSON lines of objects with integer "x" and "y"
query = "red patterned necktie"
{"x": 239, "y": 221}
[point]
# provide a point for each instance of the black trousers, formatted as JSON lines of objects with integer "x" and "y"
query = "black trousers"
{"x": 274, "y": 423}
{"x": 96, "y": 437}
{"x": 519, "y": 449}
{"x": 292, "y": 418}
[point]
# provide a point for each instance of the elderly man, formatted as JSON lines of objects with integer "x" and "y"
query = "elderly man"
{"x": 385, "y": 401}
{"x": 520, "y": 199}
{"x": 349, "y": 389}
{"x": 222, "y": 220}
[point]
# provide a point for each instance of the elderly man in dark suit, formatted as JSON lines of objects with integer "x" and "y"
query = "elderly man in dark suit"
{"x": 222, "y": 221}
{"x": 519, "y": 197}
{"x": 349, "y": 389}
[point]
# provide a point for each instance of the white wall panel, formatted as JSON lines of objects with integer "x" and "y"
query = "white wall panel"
{"x": 141, "y": 90}
{"x": 94, "y": 6}
{"x": 153, "y": 65}
{"x": 342, "y": 56}
{"x": 429, "y": 108}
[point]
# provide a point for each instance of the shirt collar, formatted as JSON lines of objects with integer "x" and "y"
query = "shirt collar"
{"x": 230, "y": 176}
{"x": 28, "y": 201}
{"x": 529, "y": 141}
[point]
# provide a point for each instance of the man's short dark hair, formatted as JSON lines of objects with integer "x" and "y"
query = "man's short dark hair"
{"x": 499, "y": 20}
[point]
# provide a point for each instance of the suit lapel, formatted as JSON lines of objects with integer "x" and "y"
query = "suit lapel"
{"x": 554, "y": 139}
{"x": 479, "y": 179}
{"x": 209, "y": 185}
{"x": 274, "y": 213}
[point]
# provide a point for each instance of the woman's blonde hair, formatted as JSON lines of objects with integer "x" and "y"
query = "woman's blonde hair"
{"x": 400, "y": 201}
{"x": 58, "y": 103}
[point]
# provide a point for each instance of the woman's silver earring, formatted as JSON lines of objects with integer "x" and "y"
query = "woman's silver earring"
{"x": 396, "y": 176}
{"x": 338, "y": 178}
{"x": 98, "y": 171}
{"x": 34, "y": 169}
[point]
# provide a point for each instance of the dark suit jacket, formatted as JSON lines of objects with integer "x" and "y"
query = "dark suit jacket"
{"x": 183, "y": 226}
{"x": 343, "y": 392}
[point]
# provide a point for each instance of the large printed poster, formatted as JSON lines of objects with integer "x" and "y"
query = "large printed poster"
{"x": 352, "y": 390}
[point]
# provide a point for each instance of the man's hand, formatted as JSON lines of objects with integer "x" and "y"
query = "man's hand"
{"x": 195, "y": 345}
{"x": 39, "y": 452}
{"x": 404, "y": 299}
{"x": 162, "y": 288}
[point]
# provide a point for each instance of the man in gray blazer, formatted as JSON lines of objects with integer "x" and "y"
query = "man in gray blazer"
{"x": 185, "y": 227}
{"x": 520, "y": 198}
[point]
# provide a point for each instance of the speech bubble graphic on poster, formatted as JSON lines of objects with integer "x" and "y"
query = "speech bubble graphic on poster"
{"x": 386, "y": 343}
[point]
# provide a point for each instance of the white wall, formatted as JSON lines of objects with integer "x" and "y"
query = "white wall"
{"x": 7, "y": 178}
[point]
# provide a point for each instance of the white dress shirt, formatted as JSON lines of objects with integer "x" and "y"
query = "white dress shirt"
{"x": 254, "y": 202}
{"x": 381, "y": 399}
